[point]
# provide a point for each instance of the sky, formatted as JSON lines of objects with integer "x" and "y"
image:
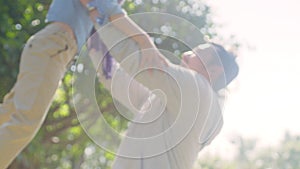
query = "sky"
{"x": 263, "y": 102}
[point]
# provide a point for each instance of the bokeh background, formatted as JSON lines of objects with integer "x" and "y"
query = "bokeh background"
{"x": 261, "y": 115}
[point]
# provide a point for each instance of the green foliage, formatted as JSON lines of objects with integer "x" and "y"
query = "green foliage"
{"x": 18, "y": 21}
{"x": 191, "y": 12}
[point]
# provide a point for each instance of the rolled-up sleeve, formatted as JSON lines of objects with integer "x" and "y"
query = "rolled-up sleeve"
{"x": 110, "y": 7}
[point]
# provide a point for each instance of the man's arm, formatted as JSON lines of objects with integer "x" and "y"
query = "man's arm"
{"x": 127, "y": 91}
{"x": 137, "y": 94}
{"x": 112, "y": 10}
{"x": 143, "y": 40}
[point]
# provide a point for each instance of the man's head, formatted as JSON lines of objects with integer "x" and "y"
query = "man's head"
{"x": 212, "y": 61}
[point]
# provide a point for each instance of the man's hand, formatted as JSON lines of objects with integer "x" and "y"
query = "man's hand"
{"x": 152, "y": 58}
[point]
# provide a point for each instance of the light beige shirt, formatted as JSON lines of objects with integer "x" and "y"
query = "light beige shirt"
{"x": 174, "y": 123}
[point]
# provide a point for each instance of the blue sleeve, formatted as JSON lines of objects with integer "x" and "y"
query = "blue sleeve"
{"x": 109, "y": 7}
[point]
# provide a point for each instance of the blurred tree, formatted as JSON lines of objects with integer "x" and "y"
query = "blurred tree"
{"x": 245, "y": 151}
{"x": 214, "y": 162}
{"x": 285, "y": 155}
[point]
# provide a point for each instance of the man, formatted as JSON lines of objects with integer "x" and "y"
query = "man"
{"x": 184, "y": 116}
{"x": 44, "y": 61}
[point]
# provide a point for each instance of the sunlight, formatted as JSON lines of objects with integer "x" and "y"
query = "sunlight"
{"x": 264, "y": 103}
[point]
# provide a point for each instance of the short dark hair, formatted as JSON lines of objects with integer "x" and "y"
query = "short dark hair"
{"x": 230, "y": 67}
